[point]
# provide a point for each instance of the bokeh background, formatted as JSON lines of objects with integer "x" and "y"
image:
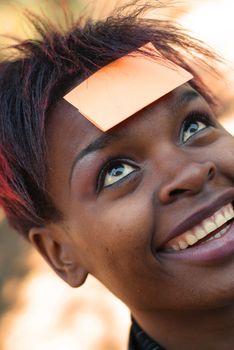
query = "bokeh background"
{"x": 37, "y": 310}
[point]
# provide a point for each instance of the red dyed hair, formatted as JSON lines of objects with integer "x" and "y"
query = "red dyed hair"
{"x": 42, "y": 71}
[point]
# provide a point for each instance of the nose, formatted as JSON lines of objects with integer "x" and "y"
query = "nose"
{"x": 188, "y": 180}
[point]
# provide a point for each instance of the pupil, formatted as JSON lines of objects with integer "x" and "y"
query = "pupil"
{"x": 193, "y": 127}
{"x": 116, "y": 171}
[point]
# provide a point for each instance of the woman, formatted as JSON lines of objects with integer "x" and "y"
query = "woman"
{"x": 146, "y": 206}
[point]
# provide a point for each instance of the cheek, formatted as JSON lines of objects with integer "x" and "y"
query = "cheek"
{"x": 118, "y": 238}
{"x": 223, "y": 156}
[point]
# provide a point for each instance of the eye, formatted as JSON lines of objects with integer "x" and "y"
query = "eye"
{"x": 194, "y": 124}
{"x": 113, "y": 172}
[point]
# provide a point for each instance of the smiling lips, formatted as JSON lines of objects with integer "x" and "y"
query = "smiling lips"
{"x": 213, "y": 228}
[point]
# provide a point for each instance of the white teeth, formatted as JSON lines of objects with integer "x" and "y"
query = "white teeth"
{"x": 200, "y": 231}
{"x": 175, "y": 247}
{"x": 224, "y": 230}
{"x": 219, "y": 219}
{"x": 183, "y": 244}
{"x": 209, "y": 239}
{"x": 209, "y": 226}
{"x": 218, "y": 235}
{"x": 227, "y": 215}
{"x": 230, "y": 208}
{"x": 191, "y": 239}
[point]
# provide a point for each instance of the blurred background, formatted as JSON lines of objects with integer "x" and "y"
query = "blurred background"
{"x": 37, "y": 310}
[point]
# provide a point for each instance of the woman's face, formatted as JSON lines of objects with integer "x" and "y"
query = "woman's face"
{"x": 133, "y": 199}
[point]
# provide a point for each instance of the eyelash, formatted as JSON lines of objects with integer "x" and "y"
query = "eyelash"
{"x": 108, "y": 165}
{"x": 193, "y": 116}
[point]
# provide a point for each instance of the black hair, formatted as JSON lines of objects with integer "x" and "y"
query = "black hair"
{"x": 39, "y": 71}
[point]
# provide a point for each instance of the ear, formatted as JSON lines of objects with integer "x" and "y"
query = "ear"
{"x": 54, "y": 246}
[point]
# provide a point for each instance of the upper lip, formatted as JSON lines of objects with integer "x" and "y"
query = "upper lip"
{"x": 203, "y": 213}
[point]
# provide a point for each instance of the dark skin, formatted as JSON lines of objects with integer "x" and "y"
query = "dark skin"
{"x": 116, "y": 222}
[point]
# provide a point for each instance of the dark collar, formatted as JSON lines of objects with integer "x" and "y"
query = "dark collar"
{"x": 139, "y": 340}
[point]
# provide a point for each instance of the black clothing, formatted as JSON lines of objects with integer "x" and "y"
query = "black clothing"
{"x": 140, "y": 341}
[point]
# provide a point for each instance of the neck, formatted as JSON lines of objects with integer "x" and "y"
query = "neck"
{"x": 209, "y": 330}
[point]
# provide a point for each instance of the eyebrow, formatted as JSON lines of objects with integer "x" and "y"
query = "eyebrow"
{"x": 185, "y": 98}
{"x": 101, "y": 142}
{"x": 105, "y": 140}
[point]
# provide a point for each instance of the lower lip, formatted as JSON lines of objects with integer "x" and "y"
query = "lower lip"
{"x": 215, "y": 250}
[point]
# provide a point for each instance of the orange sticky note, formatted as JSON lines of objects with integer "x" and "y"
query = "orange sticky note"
{"x": 125, "y": 86}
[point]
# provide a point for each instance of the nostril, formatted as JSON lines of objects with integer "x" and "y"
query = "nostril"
{"x": 177, "y": 192}
{"x": 187, "y": 180}
{"x": 211, "y": 172}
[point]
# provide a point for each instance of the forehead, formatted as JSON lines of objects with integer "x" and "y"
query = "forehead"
{"x": 68, "y": 132}
{"x": 64, "y": 119}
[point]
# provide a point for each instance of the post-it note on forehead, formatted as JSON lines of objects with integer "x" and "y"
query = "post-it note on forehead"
{"x": 125, "y": 86}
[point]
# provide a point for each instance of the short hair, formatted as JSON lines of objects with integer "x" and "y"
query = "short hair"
{"x": 39, "y": 71}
